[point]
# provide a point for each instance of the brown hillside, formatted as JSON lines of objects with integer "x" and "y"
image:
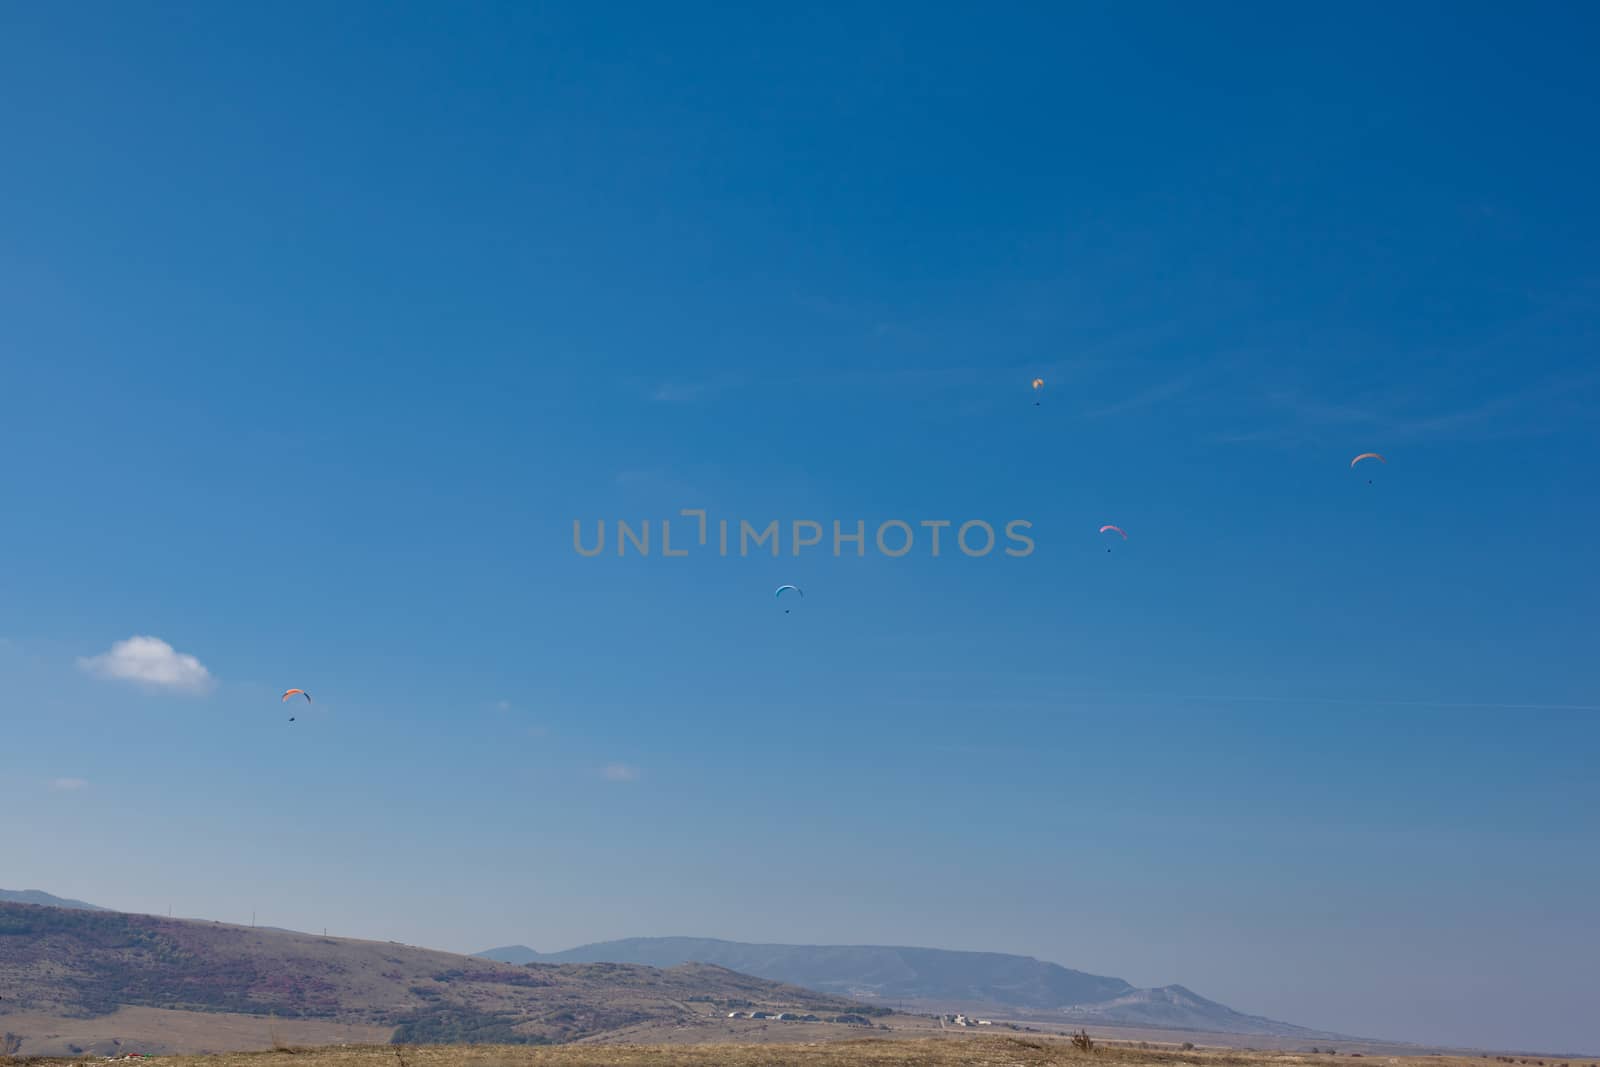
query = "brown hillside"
{"x": 74, "y": 974}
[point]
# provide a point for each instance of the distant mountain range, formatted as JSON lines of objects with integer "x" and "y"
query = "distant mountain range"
{"x": 38, "y": 896}
{"x": 1173, "y": 1007}
{"x": 930, "y": 977}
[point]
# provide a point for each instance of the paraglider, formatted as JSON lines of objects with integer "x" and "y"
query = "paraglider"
{"x": 1119, "y": 531}
{"x": 798, "y": 592}
{"x": 1368, "y": 455}
{"x": 287, "y": 693}
{"x": 1038, "y": 385}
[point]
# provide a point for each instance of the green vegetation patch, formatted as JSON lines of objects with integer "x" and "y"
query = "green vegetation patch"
{"x": 462, "y": 1026}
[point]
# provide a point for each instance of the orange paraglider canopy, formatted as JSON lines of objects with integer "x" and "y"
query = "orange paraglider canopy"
{"x": 295, "y": 692}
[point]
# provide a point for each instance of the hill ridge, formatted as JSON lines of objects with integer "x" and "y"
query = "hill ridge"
{"x": 80, "y": 972}
{"x": 49, "y": 900}
{"x": 931, "y": 977}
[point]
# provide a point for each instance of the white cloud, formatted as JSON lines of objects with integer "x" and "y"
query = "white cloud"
{"x": 149, "y": 661}
{"x": 69, "y": 783}
{"x": 502, "y": 705}
{"x": 620, "y": 772}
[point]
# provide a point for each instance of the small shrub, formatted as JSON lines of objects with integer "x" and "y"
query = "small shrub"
{"x": 1187, "y": 1046}
{"x": 1082, "y": 1041}
{"x": 11, "y": 1044}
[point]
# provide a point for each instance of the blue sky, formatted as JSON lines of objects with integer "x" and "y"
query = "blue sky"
{"x": 318, "y": 329}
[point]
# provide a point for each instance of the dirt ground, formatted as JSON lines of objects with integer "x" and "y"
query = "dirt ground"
{"x": 976, "y": 1051}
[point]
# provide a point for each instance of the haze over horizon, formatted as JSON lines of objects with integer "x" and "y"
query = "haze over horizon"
{"x": 317, "y": 333}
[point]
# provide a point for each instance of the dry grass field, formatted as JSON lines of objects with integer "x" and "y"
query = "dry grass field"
{"x": 985, "y": 1051}
{"x": 148, "y": 1030}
